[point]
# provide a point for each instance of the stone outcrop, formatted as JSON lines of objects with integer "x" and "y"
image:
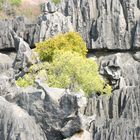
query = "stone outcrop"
{"x": 16, "y": 124}
{"x": 22, "y": 27}
{"x": 25, "y": 57}
{"x": 49, "y": 23}
{"x": 52, "y": 22}
{"x": 117, "y": 116}
{"x": 7, "y": 82}
{"x": 57, "y": 116}
{"x": 104, "y": 24}
{"x": 111, "y": 29}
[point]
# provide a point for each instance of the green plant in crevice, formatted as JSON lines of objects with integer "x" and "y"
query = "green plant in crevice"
{"x": 11, "y": 2}
{"x": 26, "y": 81}
{"x": 64, "y": 65}
{"x": 15, "y": 2}
{"x": 72, "y": 71}
{"x": 56, "y": 1}
{"x": 36, "y": 71}
{"x": 71, "y": 41}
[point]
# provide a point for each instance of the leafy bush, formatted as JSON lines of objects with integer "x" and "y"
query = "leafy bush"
{"x": 68, "y": 67}
{"x": 26, "y": 81}
{"x": 56, "y": 1}
{"x": 36, "y": 71}
{"x": 15, "y": 2}
{"x": 72, "y": 71}
{"x": 70, "y": 41}
{"x": 12, "y": 2}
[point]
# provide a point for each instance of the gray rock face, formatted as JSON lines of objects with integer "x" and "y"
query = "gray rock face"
{"x": 49, "y": 7}
{"x": 6, "y": 39}
{"x": 52, "y": 22}
{"x": 20, "y": 25}
{"x": 110, "y": 26}
{"x": 136, "y": 43}
{"x": 5, "y": 63}
{"x": 25, "y": 57}
{"x": 116, "y": 130}
{"x": 16, "y": 124}
{"x": 104, "y": 24}
{"x": 117, "y": 117}
{"x": 7, "y": 82}
{"x": 57, "y": 118}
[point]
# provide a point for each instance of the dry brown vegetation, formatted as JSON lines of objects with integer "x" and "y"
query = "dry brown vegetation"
{"x": 28, "y": 8}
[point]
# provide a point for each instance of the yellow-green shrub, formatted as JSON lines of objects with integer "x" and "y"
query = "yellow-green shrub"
{"x": 26, "y": 81}
{"x": 68, "y": 68}
{"x": 15, "y": 2}
{"x": 73, "y": 71}
{"x": 36, "y": 71}
{"x": 56, "y": 1}
{"x": 71, "y": 41}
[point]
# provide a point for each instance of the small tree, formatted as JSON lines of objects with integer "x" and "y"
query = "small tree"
{"x": 56, "y": 1}
{"x": 68, "y": 66}
{"x": 36, "y": 71}
{"x": 15, "y": 2}
{"x": 71, "y": 41}
{"x": 72, "y": 71}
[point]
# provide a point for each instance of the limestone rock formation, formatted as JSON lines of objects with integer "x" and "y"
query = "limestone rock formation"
{"x": 23, "y": 29}
{"x": 16, "y": 124}
{"x": 7, "y": 82}
{"x": 104, "y": 24}
{"x": 111, "y": 29}
{"x": 57, "y": 117}
{"x": 52, "y": 22}
{"x": 117, "y": 116}
{"x": 25, "y": 56}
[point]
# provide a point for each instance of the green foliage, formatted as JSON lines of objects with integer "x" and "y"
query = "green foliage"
{"x": 15, "y": 2}
{"x": 70, "y": 41}
{"x": 1, "y": 4}
{"x": 68, "y": 66}
{"x": 68, "y": 70}
{"x": 36, "y": 71}
{"x": 12, "y": 2}
{"x": 26, "y": 81}
{"x": 73, "y": 71}
{"x": 56, "y": 1}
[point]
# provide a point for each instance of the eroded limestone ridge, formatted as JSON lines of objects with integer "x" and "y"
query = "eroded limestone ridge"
{"x": 111, "y": 24}
{"x": 42, "y": 113}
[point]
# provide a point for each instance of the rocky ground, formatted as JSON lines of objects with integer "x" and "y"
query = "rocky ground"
{"x": 111, "y": 29}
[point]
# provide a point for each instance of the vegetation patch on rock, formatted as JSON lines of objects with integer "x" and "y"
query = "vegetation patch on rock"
{"x": 56, "y": 1}
{"x": 64, "y": 65}
{"x": 71, "y": 41}
{"x": 72, "y": 71}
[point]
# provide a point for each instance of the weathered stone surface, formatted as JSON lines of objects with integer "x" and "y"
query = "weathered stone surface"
{"x": 16, "y": 124}
{"x": 121, "y": 129}
{"x": 31, "y": 34}
{"x": 54, "y": 117}
{"x": 6, "y": 39}
{"x": 7, "y": 82}
{"x": 52, "y": 22}
{"x": 136, "y": 43}
{"x": 117, "y": 117}
{"x": 5, "y": 63}
{"x": 25, "y": 56}
{"x": 22, "y": 27}
{"x": 49, "y": 7}
{"x": 104, "y": 23}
